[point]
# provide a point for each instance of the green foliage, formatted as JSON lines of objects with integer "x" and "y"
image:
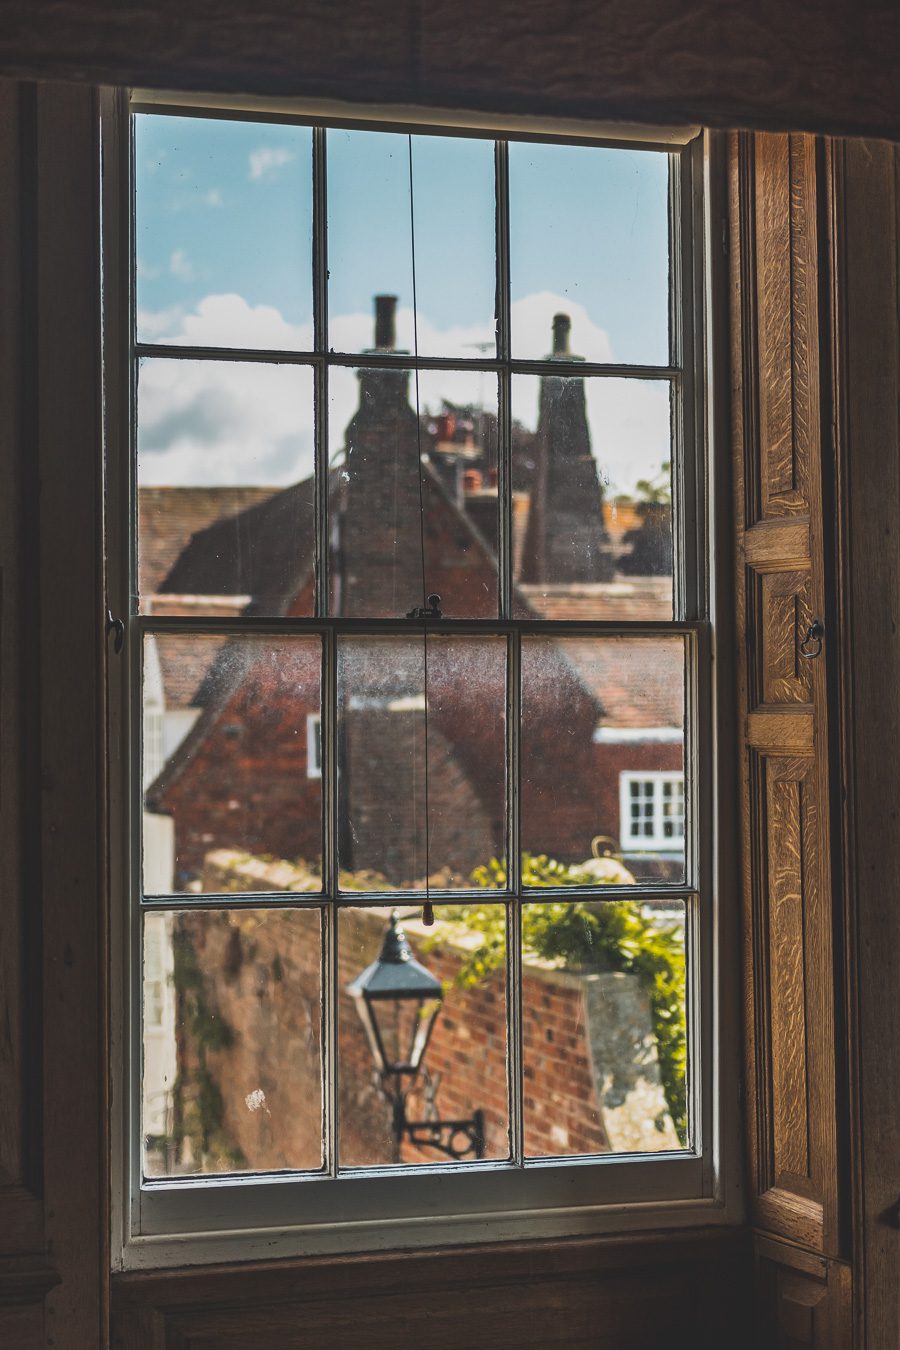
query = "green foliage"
{"x": 616, "y": 935}
{"x": 656, "y": 491}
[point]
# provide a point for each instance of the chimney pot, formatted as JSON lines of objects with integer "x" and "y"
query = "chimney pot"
{"x": 385, "y": 322}
{"x": 562, "y": 325}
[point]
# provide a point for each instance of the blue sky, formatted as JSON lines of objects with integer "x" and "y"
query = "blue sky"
{"x": 224, "y": 254}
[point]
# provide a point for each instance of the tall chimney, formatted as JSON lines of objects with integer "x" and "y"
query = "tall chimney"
{"x": 561, "y": 327}
{"x": 385, "y": 322}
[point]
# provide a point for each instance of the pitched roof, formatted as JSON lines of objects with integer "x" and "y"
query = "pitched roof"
{"x": 169, "y": 516}
{"x": 633, "y": 598}
{"x": 265, "y": 551}
{"x": 638, "y": 682}
{"x": 185, "y": 660}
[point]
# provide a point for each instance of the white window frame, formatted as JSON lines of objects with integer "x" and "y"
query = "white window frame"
{"x": 213, "y": 1219}
{"x": 657, "y": 841}
{"x": 313, "y": 745}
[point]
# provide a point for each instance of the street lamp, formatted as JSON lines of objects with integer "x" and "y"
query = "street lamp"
{"x": 398, "y": 1002}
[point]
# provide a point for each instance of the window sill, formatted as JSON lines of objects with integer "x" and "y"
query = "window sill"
{"x": 211, "y": 1223}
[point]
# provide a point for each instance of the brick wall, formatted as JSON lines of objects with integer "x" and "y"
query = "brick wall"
{"x": 590, "y": 1075}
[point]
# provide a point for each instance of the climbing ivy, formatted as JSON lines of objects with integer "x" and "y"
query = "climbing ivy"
{"x": 199, "y": 1108}
{"x": 616, "y": 935}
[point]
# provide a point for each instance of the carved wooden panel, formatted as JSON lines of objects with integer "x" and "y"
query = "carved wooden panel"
{"x": 787, "y": 615}
{"x": 788, "y": 958}
{"x": 795, "y": 1126}
{"x": 781, "y": 219}
{"x": 780, "y": 607}
{"x": 804, "y": 1300}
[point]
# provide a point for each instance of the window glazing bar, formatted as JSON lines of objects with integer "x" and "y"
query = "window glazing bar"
{"x": 515, "y": 1048}
{"x": 643, "y": 892}
{"x": 370, "y": 360}
{"x": 548, "y": 628}
{"x": 320, "y": 334}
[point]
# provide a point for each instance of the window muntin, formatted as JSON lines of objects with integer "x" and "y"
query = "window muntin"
{"x": 329, "y": 602}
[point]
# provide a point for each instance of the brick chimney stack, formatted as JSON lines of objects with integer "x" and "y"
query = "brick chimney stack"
{"x": 562, "y": 326}
{"x": 566, "y": 540}
{"x": 376, "y": 546}
{"x": 385, "y": 323}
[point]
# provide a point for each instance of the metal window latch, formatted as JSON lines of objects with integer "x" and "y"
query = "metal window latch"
{"x": 116, "y": 626}
{"x": 433, "y": 610}
{"x": 811, "y": 643}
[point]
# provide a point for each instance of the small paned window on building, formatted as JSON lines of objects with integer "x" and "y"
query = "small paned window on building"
{"x": 652, "y": 809}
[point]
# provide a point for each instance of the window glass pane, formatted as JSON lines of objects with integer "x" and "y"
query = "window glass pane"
{"x": 223, "y": 232}
{"x": 603, "y": 1027}
{"x": 228, "y": 802}
{"x": 381, "y": 760}
{"x": 592, "y": 498}
{"x": 601, "y": 719}
{"x": 370, "y": 248}
{"x": 232, "y": 1072}
{"x": 589, "y": 235}
{"x": 378, "y": 451}
{"x": 463, "y": 1069}
{"x": 226, "y": 501}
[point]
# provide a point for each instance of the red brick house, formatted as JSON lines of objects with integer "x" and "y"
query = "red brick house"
{"x": 247, "y": 775}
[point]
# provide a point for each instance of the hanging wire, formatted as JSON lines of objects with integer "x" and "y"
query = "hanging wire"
{"x": 429, "y": 602}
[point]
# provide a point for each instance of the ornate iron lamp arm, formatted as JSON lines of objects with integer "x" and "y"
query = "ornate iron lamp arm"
{"x": 454, "y": 1138}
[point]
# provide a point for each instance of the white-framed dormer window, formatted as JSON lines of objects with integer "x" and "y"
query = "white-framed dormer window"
{"x": 652, "y": 810}
{"x": 517, "y": 428}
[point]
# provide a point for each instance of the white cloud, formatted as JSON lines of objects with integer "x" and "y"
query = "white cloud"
{"x": 217, "y": 422}
{"x": 268, "y": 159}
{"x": 213, "y": 197}
{"x": 212, "y": 422}
{"x": 156, "y": 325}
{"x": 180, "y": 265}
{"x": 531, "y": 324}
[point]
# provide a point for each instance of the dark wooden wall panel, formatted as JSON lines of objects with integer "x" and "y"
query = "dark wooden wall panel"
{"x": 52, "y": 1062}
{"x": 633, "y": 1293}
{"x": 812, "y": 64}
{"x": 865, "y": 238}
{"x": 25, "y": 1273}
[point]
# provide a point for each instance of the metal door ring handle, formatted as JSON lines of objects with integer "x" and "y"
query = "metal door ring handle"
{"x": 811, "y": 643}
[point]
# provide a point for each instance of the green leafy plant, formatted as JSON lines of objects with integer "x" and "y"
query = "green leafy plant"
{"x": 656, "y": 491}
{"x": 616, "y": 935}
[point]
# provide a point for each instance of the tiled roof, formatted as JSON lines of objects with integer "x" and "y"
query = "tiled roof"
{"x": 169, "y": 516}
{"x": 265, "y": 551}
{"x": 638, "y": 682}
{"x": 633, "y": 598}
{"x": 184, "y": 663}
